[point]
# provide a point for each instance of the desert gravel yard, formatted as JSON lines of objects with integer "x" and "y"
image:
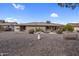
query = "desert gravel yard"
{"x": 23, "y": 44}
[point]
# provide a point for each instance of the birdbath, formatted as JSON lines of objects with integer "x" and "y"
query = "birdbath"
{"x": 38, "y": 37}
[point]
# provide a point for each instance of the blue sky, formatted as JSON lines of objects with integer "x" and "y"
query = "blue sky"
{"x": 37, "y": 12}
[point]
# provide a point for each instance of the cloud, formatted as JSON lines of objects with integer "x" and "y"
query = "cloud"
{"x": 54, "y": 15}
{"x": 18, "y": 6}
{"x": 10, "y": 20}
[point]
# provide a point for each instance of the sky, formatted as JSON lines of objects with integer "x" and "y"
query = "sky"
{"x": 37, "y": 12}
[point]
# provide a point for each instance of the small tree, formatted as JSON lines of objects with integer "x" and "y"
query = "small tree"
{"x": 48, "y": 21}
{"x": 69, "y": 28}
{"x": 69, "y": 5}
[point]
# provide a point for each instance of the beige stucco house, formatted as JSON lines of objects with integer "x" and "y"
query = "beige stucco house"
{"x": 25, "y": 27}
{"x": 36, "y": 25}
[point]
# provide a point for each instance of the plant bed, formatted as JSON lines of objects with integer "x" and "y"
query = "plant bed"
{"x": 59, "y": 31}
{"x": 31, "y": 31}
{"x": 70, "y": 35}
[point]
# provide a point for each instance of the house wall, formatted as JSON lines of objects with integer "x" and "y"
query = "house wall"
{"x": 34, "y": 27}
{"x": 27, "y": 28}
{"x": 8, "y": 26}
{"x": 76, "y": 28}
{"x": 16, "y": 28}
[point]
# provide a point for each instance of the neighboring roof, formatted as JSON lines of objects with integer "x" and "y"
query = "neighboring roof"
{"x": 8, "y": 23}
{"x": 40, "y": 24}
{"x": 74, "y": 24}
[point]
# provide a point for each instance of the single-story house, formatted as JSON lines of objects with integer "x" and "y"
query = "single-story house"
{"x": 46, "y": 27}
{"x": 75, "y": 25}
{"x": 7, "y": 26}
{"x": 36, "y": 25}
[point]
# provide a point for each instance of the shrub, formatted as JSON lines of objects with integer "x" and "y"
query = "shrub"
{"x": 69, "y": 28}
{"x": 59, "y": 31}
{"x": 31, "y": 31}
{"x": 39, "y": 30}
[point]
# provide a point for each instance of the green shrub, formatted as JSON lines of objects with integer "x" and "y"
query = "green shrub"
{"x": 31, "y": 31}
{"x": 69, "y": 28}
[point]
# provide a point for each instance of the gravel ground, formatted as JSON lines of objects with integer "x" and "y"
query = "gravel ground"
{"x": 23, "y": 44}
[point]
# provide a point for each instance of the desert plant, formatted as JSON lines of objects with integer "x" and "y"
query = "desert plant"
{"x": 68, "y": 27}
{"x": 39, "y": 30}
{"x": 59, "y": 31}
{"x": 31, "y": 31}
